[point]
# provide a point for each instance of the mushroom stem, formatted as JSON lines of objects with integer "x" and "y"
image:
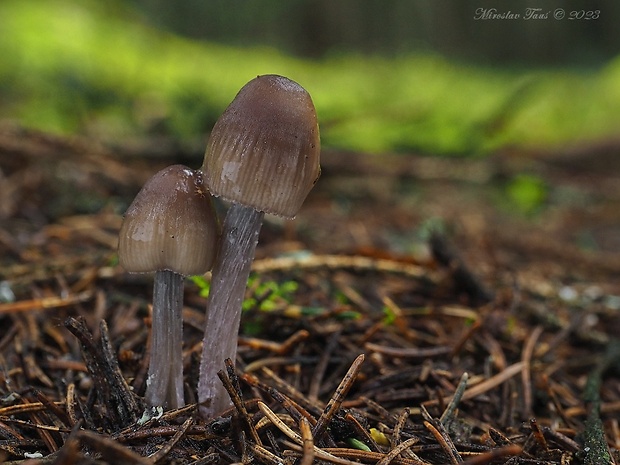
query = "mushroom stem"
{"x": 228, "y": 283}
{"x": 164, "y": 384}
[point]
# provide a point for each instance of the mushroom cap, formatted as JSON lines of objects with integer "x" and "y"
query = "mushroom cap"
{"x": 170, "y": 225}
{"x": 264, "y": 150}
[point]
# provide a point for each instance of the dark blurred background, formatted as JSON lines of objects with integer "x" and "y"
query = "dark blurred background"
{"x": 464, "y": 78}
{"x": 316, "y": 28}
{"x": 469, "y": 99}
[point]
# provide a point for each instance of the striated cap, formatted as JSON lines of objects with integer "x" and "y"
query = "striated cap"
{"x": 264, "y": 150}
{"x": 170, "y": 225}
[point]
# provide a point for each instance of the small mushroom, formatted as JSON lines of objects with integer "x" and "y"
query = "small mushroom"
{"x": 169, "y": 228}
{"x": 263, "y": 157}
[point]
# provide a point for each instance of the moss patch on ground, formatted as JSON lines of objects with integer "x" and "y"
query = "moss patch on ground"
{"x": 100, "y": 69}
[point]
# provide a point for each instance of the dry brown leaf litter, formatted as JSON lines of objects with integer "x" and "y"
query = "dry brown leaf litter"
{"x": 481, "y": 352}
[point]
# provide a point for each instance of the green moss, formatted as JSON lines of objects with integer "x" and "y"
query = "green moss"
{"x": 94, "y": 67}
{"x": 527, "y": 193}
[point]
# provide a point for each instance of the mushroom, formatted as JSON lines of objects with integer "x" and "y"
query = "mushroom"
{"x": 263, "y": 157}
{"x": 169, "y": 228}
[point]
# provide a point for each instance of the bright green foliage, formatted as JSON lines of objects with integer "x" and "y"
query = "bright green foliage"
{"x": 269, "y": 295}
{"x": 93, "y": 67}
{"x": 527, "y": 192}
{"x": 203, "y": 285}
{"x": 389, "y": 316}
{"x": 340, "y": 297}
{"x": 266, "y": 296}
{"x": 357, "y": 444}
{"x": 349, "y": 315}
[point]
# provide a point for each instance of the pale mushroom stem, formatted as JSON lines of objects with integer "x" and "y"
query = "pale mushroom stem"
{"x": 164, "y": 384}
{"x": 228, "y": 283}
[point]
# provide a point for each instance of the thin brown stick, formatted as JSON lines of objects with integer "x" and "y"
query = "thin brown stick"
{"x": 488, "y": 384}
{"x": 320, "y": 454}
{"x": 52, "y": 407}
{"x": 466, "y": 336}
{"x": 290, "y": 391}
{"x": 295, "y": 410}
{"x": 112, "y": 450}
{"x": 340, "y": 262}
{"x": 339, "y": 395}
{"x": 36, "y": 425}
{"x": 70, "y": 405}
{"x": 25, "y": 408}
{"x": 493, "y": 381}
{"x": 559, "y": 438}
{"x": 400, "y": 424}
{"x": 494, "y": 454}
{"x": 162, "y": 453}
{"x": 45, "y": 303}
{"x": 376, "y": 407}
{"x": 448, "y": 415}
{"x": 341, "y": 454}
{"x": 607, "y": 408}
{"x": 362, "y": 455}
{"x": 319, "y": 371}
{"x": 307, "y": 442}
{"x": 538, "y": 434}
{"x": 235, "y": 397}
{"x": 264, "y": 455}
{"x": 408, "y": 352}
{"x": 526, "y": 376}
{"x": 396, "y": 451}
{"x": 447, "y": 446}
{"x": 279, "y": 348}
{"x": 443, "y": 438}
{"x": 363, "y": 432}
{"x": 127, "y": 399}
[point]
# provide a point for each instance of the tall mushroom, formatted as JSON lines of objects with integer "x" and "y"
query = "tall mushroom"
{"x": 263, "y": 157}
{"x": 169, "y": 228}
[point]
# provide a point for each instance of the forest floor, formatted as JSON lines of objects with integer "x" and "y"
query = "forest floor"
{"x": 488, "y": 334}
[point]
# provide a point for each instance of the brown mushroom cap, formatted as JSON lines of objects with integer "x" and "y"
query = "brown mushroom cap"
{"x": 170, "y": 225}
{"x": 264, "y": 150}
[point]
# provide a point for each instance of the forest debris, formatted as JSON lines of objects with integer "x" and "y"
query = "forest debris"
{"x": 489, "y": 383}
{"x": 409, "y": 352}
{"x": 397, "y": 450}
{"x": 447, "y": 417}
{"x": 319, "y": 453}
{"x": 337, "y": 398}
{"x": 279, "y": 348}
{"x": 112, "y": 389}
{"x": 321, "y": 366}
{"x": 111, "y": 450}
{"x": 596, "y": 451}
{"x": 46, "y": 302}
{"x": 335, "y": 262}
{"x": 495, "y": 454}
{"x": 49, "y": 256}
{"x": 161, "y": 454}
{"x": 464, "y": 280}
{"x": 307, "y": 442}
{"x": 231, "y": 382}
{"x": 444, "y": 440}
{"x": 526, "y": 358}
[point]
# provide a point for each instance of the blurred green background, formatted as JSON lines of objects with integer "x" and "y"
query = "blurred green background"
{"x": 423, "y": 76}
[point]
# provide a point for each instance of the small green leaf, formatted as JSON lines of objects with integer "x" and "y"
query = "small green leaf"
{"x": 527, "y": 192}
{"x": 389, "y": 316}
{"x": 357, "y": 444}
{"x": 349, "y": 315}
{"x": 202, "y": 283}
